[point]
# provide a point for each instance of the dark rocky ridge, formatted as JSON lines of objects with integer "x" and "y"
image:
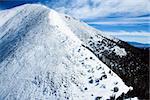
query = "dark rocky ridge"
{"x": 132, "y": 68}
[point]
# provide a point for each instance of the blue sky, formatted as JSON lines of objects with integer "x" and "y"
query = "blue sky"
{"x": 128, "y": 20}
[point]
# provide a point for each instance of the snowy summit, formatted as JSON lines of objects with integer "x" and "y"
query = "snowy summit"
{"x": 47, "y": 56}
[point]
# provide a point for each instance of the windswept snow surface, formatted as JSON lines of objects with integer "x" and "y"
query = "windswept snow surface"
{"x": 42, "y": 59}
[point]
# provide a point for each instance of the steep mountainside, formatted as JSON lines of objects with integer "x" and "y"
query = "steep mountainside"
{"x": 130, "y": 63}
{"x": 41, "y": 58}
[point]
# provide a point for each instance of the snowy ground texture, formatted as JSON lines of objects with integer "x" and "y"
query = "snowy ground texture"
{"x": 43, "y": 57}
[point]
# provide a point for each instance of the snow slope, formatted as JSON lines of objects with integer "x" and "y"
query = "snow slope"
{"x": 128, "y": 62}
{"x": 42, "y": 58}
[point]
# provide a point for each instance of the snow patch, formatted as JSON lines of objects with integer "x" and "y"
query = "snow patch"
{"x": 119, "y": 51}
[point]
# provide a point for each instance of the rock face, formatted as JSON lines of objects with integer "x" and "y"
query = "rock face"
{"x": 42, "y": 58}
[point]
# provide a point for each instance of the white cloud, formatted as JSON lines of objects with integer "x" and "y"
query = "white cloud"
{"x": 140, "y": 37}
{"x": 118, "y": 23}
{"x": 100, "y": 8}
{"x": 123, "y": 33}
{"x": 122, "y": 21}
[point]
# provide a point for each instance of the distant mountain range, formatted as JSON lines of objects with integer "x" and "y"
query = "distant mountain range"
{"x": 139, "y": 45}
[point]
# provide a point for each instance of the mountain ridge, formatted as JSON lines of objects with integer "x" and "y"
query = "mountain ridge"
{"x": 132, "y": 65}
{"x": 40, "y": 57}
{"x": 34, "y": 31}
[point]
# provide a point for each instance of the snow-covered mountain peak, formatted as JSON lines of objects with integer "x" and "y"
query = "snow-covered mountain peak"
{"x": 56, "y": 20}
{"x": 43, "y": 56}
